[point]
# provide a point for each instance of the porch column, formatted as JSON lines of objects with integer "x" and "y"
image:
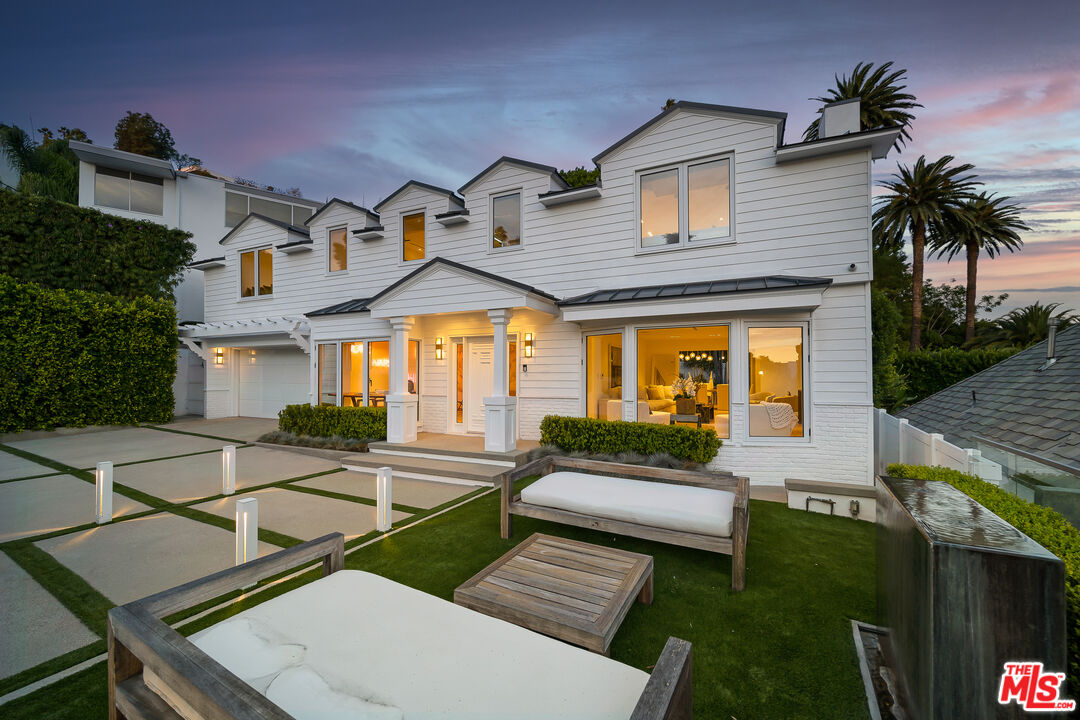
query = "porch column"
{"x": 400, "y": 404}
{"x": 500, "y": 410}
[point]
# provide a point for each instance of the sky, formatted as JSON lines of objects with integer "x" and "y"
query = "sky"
{"x": 353, "y": 99}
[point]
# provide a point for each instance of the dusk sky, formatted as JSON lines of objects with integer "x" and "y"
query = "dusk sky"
{"x": 353, "y": 99}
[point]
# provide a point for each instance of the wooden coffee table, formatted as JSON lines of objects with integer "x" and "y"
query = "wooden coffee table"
{"x": 570, "y": 590}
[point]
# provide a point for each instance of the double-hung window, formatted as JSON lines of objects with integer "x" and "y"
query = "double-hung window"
{"x": 337, "y": 250}
{"x": 685, "y": 204}
{"x": 257, "y": 272}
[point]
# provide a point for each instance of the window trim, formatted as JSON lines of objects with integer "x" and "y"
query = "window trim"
{"x": 159, "y": 182}
{"x": 619, "y": 330}
{"x": 240, "y": 275}
{"x": 330, "y": 248}
{"x": 744, "y": 393}
{"x": 684, "y": 204}
{"x": 401, "y": 236}
{"x": 492, "y": 197}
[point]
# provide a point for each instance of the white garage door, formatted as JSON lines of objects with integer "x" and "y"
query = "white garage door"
{"x": 271, "y": 379}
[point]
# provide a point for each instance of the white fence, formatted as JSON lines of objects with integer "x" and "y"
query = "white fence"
{"x": 897, "y": 441}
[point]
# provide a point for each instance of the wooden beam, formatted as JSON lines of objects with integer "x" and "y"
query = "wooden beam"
{"x": 668, "y": 694}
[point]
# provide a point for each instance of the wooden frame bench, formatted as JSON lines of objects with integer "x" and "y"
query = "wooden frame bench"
{"x": 138, "y": 639}
{"x": 735, "y": 546}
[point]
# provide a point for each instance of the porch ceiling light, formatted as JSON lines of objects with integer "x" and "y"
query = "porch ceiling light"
{"x": 438, "y": 348}
{"x": 528, "y": 345}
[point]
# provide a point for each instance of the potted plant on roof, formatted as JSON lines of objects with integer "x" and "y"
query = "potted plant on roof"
{"x": 685, "y": 391}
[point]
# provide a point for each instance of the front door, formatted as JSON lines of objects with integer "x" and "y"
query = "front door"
{"x": 479, "y": 363}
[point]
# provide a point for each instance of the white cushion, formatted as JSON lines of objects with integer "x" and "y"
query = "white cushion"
{"x": 674, "y": 507}
{"x": 376, "y": 649}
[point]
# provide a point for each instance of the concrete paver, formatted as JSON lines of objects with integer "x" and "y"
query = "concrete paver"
{"x": 132, "y": 559}
{"x": 41, "y": 505}
{"x": 13, "y": 466}
{"x": 34, "y": 626}
{"x": 303, "y": 515}
{"x": 247, "y": 429}
{"x": 119, "y": 446}
{"x": 405, "y": 491}
{"x": 199, "y": 476}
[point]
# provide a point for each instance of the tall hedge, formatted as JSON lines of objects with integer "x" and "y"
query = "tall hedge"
{"x": 363, "y": 423}
{"x": 1047, "y": 527}
{"x": 65, "y": 246}
{"x": 593, "y": 435}
{"x": 929, "y": 371}
{"x": 74, "y": 358}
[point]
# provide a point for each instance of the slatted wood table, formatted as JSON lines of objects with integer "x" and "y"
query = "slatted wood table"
{"x": 574, "y": 591}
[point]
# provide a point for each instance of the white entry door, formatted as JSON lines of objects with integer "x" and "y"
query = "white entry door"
{"x": 479, "y": 363}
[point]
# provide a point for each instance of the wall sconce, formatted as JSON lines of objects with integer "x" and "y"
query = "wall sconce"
{"x": 528, "y": 345}
{"x": 252, "y": 358}
{"x": 219, "y": 356}
{"x": 438, "y": 348}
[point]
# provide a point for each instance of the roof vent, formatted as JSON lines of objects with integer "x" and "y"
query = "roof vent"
{"x": 1051, "y": 343}
{"x": 840, "y": 118}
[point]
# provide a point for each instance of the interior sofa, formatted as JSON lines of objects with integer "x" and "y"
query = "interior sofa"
{"x": 613, "y": 411}
{"x": 761, "y": 425}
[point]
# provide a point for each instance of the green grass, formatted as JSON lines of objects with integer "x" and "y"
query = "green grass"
{"x": 781, "y": 649}
{"x": 72, "y": 591}
{"x": 193, "y": 434}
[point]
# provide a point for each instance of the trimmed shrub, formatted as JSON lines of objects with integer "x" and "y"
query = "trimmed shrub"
{"x": 326, "y": 421}
{"x": 929, "y": 371}
{"x": 69, "y": 247}
{"x": 592, "y": 435}
{"x": 73, "y": 358}
{"x": 1043, "y": 525}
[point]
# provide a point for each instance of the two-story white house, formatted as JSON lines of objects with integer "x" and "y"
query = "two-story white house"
{"x": 709, "y": 250}
{"x": 145, "y": 188}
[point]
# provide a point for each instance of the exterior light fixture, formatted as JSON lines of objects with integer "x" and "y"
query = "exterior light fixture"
{"x": 228, "y": 470}
{"x": 103, "y": 492}
{"x": 438, "y": 348}
{"x": 247, "y": 530}
{"x": 383, "y": 507}
{"x": 528, "y": 345}
{"x": 252, "y": 357}
{"x": 219, "y": 356}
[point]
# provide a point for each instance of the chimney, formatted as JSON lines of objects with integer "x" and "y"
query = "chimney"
{"x": 840, "y": 118}
{"x": 1051, "y": 343}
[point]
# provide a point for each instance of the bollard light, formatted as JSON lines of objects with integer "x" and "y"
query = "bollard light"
{"x": 383, "y": 505}
{"x": 103, "y": 493}
{"x": 247, "y": 530}
{"x": 228, "y": 470}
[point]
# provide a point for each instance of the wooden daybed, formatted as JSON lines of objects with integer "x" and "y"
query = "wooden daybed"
{"x": 613, "y": 518}
{"x": 154, "y": 672}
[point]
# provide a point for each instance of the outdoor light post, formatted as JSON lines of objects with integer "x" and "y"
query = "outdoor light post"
{"x": 247, "y": 530}
{"x": 383, "y": 509}
{"x": 103, "y": 493}
{"x": 228, "y": 470}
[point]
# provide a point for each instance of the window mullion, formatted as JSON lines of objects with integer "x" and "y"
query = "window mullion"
{"x": 684, "y": 205}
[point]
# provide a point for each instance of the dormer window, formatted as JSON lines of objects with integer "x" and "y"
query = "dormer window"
{"x": 337, "y": 250}
{"x": 685, "y": 204}
{"x": 257, "y": 272}
{"x": 506, "y": 220}
{"x": 412, "y": 237}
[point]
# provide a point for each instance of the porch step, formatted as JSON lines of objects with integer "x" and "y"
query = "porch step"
{"x": 422, "y": 468}
{"x": 434, "y": 451}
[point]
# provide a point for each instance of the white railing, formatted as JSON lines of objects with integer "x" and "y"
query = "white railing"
{"x": 898, "y": 441}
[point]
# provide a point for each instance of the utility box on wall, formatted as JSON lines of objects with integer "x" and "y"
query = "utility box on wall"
{"x": 962, "y": 592}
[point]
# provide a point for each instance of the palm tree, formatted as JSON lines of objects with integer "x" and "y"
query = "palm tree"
{"x": 918, "y": 201}
{"x": 1027, "y": 325}
{"x": 988, "y": 224}
{"x": 48, "y": 169}
{"x": 883, "y": 101}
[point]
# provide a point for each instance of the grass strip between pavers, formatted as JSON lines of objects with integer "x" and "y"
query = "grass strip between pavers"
{"x": 194, "y": 434}
{"x": 41, "y": 460}
{"x": 169, "y": 457}
{"x": 51, "y": 667}
{"x": 351, "y": 498}
{"x": 65, "y": 585}
{"x": 268, "y": 536}
{"x": 30, "y": 477}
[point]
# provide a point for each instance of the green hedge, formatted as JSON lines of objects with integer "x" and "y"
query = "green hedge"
{"x": 363, "y": 423}
{"x": 72, "y": 358}
{"x": 929, "y": 371}
{"x": 1043, "y": 525}
{"x": 593, "y": 435}
{"x": 74, "y": 248}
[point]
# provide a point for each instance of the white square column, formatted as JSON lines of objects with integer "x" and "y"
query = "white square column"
{"x": 500, "y": 410}
{"x": 400, "y": 403}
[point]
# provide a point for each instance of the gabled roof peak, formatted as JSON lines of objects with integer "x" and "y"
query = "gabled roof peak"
{"x": 416, "y": 183}
{"x": 256, "y": 216}
{"x": 506, "y": 159}
{"x": 339, "y": 201}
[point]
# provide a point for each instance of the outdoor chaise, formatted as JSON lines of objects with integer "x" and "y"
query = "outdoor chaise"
{"x": 702, "y": 510}
{"x": 356, "y": 645}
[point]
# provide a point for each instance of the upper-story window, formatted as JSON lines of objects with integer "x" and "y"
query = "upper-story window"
{"x": 257, "y": 272}
{"x": 337, "y": 250}
{"x": 238, "y": 205}
{"x": 685, "y": 203}
{"x": 506, "y": 220}
{"x": 125, "y": 190}
{"x": 412, "y": 237}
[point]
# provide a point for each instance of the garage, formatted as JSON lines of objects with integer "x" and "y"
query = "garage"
{"x": 269, "y": 378}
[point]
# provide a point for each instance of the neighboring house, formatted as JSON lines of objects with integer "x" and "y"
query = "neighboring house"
{"x": 709, "y": 249}
{"x": 139, "y": 187}
{"x": 1022, "y": 413}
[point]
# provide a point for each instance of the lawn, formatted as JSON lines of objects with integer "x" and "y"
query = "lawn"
{"x": 781, "y": 649}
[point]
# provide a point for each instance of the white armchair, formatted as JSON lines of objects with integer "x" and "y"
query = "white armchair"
{"x": 761, "y": 426}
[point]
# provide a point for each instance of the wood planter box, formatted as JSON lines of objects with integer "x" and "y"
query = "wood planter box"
{"x": 686, "y": 406}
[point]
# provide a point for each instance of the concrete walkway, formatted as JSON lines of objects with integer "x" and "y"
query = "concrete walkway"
{"x": 47, "y": 504}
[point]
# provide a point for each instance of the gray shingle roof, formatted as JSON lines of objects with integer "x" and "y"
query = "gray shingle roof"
{"x": 704, "y": 287}
{"x": 1014, "y": 404}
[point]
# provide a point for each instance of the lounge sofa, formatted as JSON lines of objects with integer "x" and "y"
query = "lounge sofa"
{"x": 644, "y": 413}
{"x": 358, "y": 645}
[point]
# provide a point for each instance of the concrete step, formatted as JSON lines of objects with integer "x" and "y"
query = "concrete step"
{"x": 422, "y": 468}
{"x": 513, "y": 458}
